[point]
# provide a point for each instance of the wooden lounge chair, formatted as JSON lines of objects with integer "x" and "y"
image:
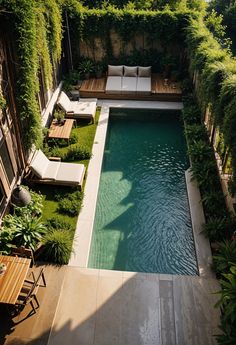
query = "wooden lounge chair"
{"x": 50, "y": 172}
{"x": 83, "y": 109}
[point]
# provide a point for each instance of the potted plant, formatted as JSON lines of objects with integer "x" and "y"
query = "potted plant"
{"x": 86, "y": 67}
{"x": 99, "y": 67}
{"x": 59, "y": 116}
{"x": 3, "y": 268}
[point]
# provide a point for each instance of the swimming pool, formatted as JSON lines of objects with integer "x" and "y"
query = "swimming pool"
{"x": 142, "y": 220}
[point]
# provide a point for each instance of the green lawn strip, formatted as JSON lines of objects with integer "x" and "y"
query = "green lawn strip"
{"x": 86, "y": 133}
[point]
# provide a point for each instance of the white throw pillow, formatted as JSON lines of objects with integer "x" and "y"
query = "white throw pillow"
{"x": 130, "y": 71}
{"x": 115, "y": 70}
{"x": 144, "y": 71}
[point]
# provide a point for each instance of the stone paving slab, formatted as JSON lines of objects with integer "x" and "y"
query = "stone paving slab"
{"x": 116, "y": 308}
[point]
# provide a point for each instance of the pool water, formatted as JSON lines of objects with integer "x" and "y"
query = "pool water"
{"x": 142, "y": 220}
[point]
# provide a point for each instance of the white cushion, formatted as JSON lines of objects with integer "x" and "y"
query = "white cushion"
{"x": 50, "y": 172}
{"x": 83, "y": 108}
{"x": 144, "y": 72}
{"x": 39, "y": 163}
{"x": 115, "y": 70}
{"x": 129, "y": 84}
{"x": 70, "y": 172}
{"x": 144, "y": 85}
{"x": 130, "y": 71}
{"x": 113, "y": 85}
{"x": 64, "y": 102}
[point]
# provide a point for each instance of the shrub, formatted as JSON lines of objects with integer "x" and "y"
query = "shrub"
{"x": 76, "y": 153}
{"x": 57, "y": 246}
{"x": 28, "y": 231}
{"x": 225, "y": 257}
{"x": 71, "y": 204}
{"x": 57, "y": 223}
{"x": 215, "y": 228}
{"x": 6, "y": 240}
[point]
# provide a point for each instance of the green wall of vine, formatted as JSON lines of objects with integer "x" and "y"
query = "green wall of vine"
{"x": 36, "y": 24}
{"x": 216, "y": 81}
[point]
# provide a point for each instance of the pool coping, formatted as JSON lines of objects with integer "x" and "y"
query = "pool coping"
{"x": 84, "y": 227}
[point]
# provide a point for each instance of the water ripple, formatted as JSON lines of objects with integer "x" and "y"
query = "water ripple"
{"x": 142, "y": 218}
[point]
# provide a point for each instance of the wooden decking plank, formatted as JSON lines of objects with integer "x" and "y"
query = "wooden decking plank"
{"x": 161, "y": 90}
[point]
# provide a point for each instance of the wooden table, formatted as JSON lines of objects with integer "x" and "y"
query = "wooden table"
{"x": 61, "y": 131}
{"x": 12, "y": 280}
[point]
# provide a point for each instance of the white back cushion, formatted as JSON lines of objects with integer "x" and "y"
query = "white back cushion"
{"x": 130, "y": 71}
{"x": 39, "y": 163}
{"x": 115, "y": 70}
{"x": 64, "y": 102}
{"x": 144, "y": 71}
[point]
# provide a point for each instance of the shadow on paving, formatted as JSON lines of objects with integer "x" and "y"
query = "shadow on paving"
{"x": 30, "y": 328}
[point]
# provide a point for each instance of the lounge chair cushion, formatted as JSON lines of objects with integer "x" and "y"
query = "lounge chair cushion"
{"x": 56, "y": 172}
{"x": 144, "y": 72}
{"x": 115, "y": 70}
{"x": 130, "y": 71}
{"x": 113, "y": 85}
{"x": 64, "y": 102}
{"x": 39, "y": 164}
{"x": 72, "y": 171}
{"x": 144, "y": 85}
{"x": 84, "y": 108}
{"x": 129, "y": 84}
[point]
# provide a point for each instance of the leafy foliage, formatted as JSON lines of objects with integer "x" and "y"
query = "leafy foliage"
{"x": 57, "y": 246}
{"x": 71, "y": 204}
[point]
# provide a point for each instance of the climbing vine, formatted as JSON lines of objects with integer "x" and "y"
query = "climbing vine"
{"x": 38, "y": 33}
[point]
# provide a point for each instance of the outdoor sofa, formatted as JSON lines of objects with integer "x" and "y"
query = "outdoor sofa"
{"x": 128, "y": 80}
{"x": 83, "y": 109}
{"x": 55, "y": 172}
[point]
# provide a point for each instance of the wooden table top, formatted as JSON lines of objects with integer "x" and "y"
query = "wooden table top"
{"x": 12, "y": 280}
{"x": 61, "y": 131}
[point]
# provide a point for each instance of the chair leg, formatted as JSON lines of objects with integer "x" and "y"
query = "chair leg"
{"x": 36, "y": 300}
{"x": 33, "y": 307}
{"x": 44, "y": 280}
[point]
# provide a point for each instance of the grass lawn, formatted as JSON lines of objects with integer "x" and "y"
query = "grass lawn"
{"x": 86, "y": 133}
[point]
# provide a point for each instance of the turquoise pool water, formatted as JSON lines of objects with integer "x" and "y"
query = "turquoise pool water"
{"x": 142, "y": 220}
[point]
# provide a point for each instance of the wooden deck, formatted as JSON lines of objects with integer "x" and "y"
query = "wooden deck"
{"x": 160, "y": 90}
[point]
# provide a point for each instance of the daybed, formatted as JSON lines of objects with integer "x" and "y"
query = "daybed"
{"x": 128, "y": 80}
{"x": 55, "y": 172}
{"x": 83, "y": 109}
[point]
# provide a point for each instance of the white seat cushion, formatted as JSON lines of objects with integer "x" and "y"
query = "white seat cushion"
{"x": 113, "y": 85}
{"x": 83, "y": 109}
{"x": 50, "y": 172}
{"x": 70, "y": 172}
{"x": 144, "y": 85}
{"x": 129, "y": 84}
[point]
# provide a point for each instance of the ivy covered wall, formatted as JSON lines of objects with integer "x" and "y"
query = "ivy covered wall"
{"x": 36, "y": 28}
{"x": 113, "y": 34}
{"x": 213, "y": 69}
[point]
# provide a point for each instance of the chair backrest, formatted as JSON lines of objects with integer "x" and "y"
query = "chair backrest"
{"x": 39, "y": 163}
{"x": 32, "y": 291}
{"x": 23, "y": 252}
{"x": 64, "y": 102}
